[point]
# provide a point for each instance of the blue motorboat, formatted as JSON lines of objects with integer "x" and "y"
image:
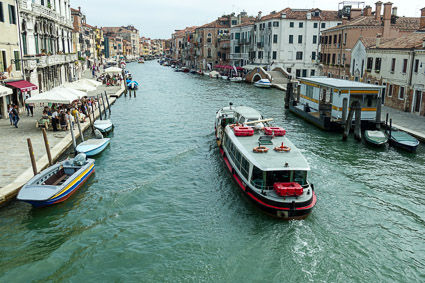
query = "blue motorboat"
{"x": 403, "y": 140}
{"x": 132, "y": 84}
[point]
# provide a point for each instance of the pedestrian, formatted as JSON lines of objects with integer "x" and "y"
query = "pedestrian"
{"x": 70, "y": 119}
{"x": 15, "y": 115}
{"x": 55, "y": 120}
{"x": 27, "y": 106}
{"x": 63, "y": 120}
{"x": 9, "y": 110}
{"x": 31, "y": 105}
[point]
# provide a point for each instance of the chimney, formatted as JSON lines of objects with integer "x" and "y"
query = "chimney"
{"x": 79, "y": 9}
{"x": 378, "y": 8}
{"x": 378, "y": 40}
{"x": 387, "y": 11}
{"x": 395, "y": 11}
{"x": 259, "y": 15}
{"x": 355, "y": 13}
{"x": 422, "y": 22}
{"x": 367, "y": 11}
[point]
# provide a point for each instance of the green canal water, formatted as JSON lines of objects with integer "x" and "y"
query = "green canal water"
{"x": 162, "y": 206}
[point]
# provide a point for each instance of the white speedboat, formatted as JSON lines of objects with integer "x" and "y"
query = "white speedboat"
{"x": 103, "y": 126}
{"x": 264, "y": 83}
{"x": 268, "y": 167}
{"x": 236, "y": 79}
{"x": 94, "y": 146}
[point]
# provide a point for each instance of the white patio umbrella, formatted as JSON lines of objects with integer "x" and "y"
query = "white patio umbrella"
{"x": 53, "y": 96}
{"x": 91, "y": 82}
{"x": 113, "y": 70}
{"x": 78, "y": 85}
{"x": 5, "y": 91}
{"x": 72, "y": 91}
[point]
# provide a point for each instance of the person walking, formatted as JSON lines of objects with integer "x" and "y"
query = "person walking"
{"x": 15, "y": 116}
{"x": 9, "y": 111}
{"x": 31, "y": 106}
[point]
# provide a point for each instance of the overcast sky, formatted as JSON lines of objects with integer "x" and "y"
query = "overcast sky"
{"x": 159, "y": 18}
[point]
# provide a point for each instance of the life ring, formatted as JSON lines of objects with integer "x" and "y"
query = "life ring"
{"x": 260, "y": 149}
{"x": 282, "y": 148}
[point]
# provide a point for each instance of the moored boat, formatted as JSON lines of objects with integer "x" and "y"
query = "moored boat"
{"x": 403, "y": 140}
{"x": 376, "y": 138}
{"x": 94, "y": 146}
{"x": 264, "y": 83}
{"x": 271, "y": 171}
{"x": 236, "y": 79}
{"x": 58, "y": 182}
{"x": 103, "y": 126}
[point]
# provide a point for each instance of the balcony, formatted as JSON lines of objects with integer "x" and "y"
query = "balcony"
{"x": 225, "y": 44}
{"x": 43, "y": 11}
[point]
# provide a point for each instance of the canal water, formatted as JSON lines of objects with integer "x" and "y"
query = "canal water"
{"x": 162, "y": 206}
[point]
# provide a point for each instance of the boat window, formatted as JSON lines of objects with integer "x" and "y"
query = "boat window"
{"x": 278, "y": 177}
{"x": 370, "y": 101}
{"x": 245, "y": 167}
{"x": 300, "y": 177}
{"x": 242, "y": 120}
{"x": 237, "y": 159}
{"x": 257, "y": 177}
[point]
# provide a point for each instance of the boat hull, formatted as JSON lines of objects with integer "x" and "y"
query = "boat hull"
{"x": 68, "y": 191}
{"x": 94, "y": 151}
{"x": 300, "y": 211}
{"x": 262, "y": 85}
{"x": 406, "y": 147}
{"x": 375, "y": 141}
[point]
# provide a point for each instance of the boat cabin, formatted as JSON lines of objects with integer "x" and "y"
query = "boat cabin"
{"x": 324, "y": 98}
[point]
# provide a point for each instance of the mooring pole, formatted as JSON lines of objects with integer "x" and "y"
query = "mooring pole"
{"x": 378, "y": 110}
{"x": 391, "y": 129}
{"x": 386, "y": 124}
{"x": 358, "y": 122}
{"x": 100, "y": 108}
{"x": 289, "y": 90}
{"x": 344, "y": 111}
{"x": 348, "y": 123}
{"x": 79, "y": 129}
{"x": 103, "y": 103}
{"x": 46, "y": 144}
{"x": 91, "y": 121}
{"x": 107, "y": 100}
{"x": 33, "y": 163}
{"x": 74, "y": 143}
{"x": 134, "y": 93}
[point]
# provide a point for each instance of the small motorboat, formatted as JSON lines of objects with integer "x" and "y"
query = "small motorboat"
{"x": 206, "y": 74}
{"x": 92, "y": 147}
{"x": 225, "y": 77}
{"x": 264, "y": 83}
{"x": 103, "y": 126}
{"x": 376, "y": 138}
{"x": 403, "y": 140}
{"x": 141, "y": 60}
{"x": 200, "y": 72}
{"x": 186, "y": 70}
{"x": 214, "y": 74}
{"x": 193, "y": 71}
{"x": 58, "y": 182}
{"x": 236, "y": 79}
{"x": 132, "y": 84}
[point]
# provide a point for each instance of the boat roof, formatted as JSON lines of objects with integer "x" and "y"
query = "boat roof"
{"x": 271, "y": 160}
{"x": 338, "y": 83}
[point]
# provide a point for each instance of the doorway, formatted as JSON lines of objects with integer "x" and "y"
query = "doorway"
{"x": 417, "y": 101}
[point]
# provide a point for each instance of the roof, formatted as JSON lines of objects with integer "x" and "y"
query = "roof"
{"x": 300, "y": 14}
{"x": 402, "y": 23}
{"x": 246, "y": 22}
{"x": 182, "y": 32}
{"x": 369, "y": 42}
{"x": 272, "y": 160}
{"x": 340, "y": 84}
{"x": 409, "y": 41}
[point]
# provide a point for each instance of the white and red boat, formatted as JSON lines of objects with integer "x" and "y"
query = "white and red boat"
{"x": 271, "y": 171}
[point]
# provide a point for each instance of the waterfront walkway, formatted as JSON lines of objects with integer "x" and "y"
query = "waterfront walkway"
{"x": 15, "y": 166}
{"x": 405, "y": 121}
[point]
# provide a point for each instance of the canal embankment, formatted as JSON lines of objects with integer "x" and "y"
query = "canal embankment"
{"x": 16, "y": 169}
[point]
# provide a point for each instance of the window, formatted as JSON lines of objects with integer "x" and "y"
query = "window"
{"x": 300, "y": 24}
{"x": 401, "y": 93}
{"x": 314, "y": 39}
{"x": 299, "y": 55}
{"x": 333, "y": 58}
{"x": 275, "y": 24}
{"x": 3, "y": 62}
{"x": 237, "y": 49}
{"x": 369, "y": 64}
{"x": 234, "y": 22}
{"x": 291, "y": 38}
{"x": 274, "y": 55}
{"x": 237, "y": 35}
{"x": 416, "y": 66}
{"x": 335, "y": 38}
{"x": 312, "y": 73}
{"x": 209, "y": 52}
{"x": 313, "y": 55}
{"x": 404, "y": 66}
{"x": 345, "y": 38}
{"x": 297, "y": 73}
{"x": 24, "y": 43}
{"x": 274, "y": 38}
{"x": 300, "y": 39}
{"x": 289, "y": 70}
{"x": 270, "y": 24}
{"x": 393, "y": 65}
{"x": 304, "y": 73}
{"x": 323, "y": 25}
{"x": 12, "y": 16}
{"x": 378, "y": 65}
{"x": 260, "y": 54}
{"x": 315, "y": 25}
{"x": 245, "y": 167}
{"x": 1, "y": 13}
{"x": 17, "y": 61}
{"x": 390, "y": 91}
{"x": 291, "y": 24}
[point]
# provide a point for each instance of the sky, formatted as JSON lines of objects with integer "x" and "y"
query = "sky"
{"x": 159, "y": 18}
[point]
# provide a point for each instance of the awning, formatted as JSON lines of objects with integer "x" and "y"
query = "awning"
{"x": 5, "y": 91}
{"x": 53, "y": 96}
{"x": 24, "y": 86}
